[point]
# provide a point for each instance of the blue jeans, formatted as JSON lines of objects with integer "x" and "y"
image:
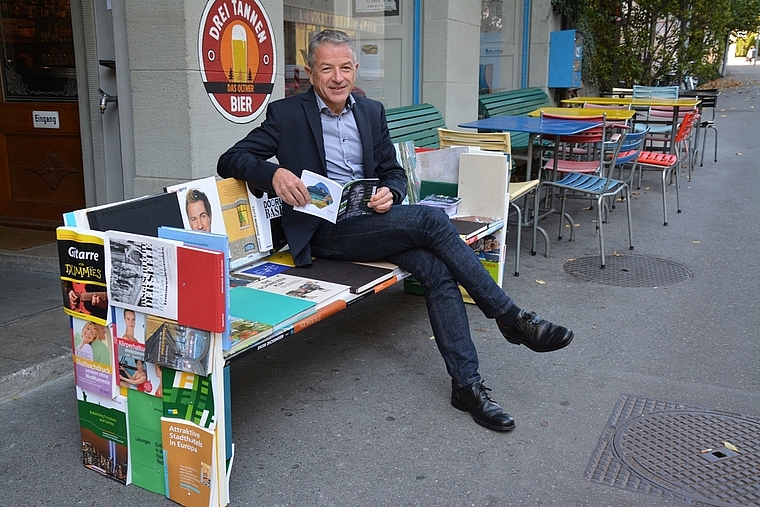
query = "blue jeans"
{"x": 422, "y": 241}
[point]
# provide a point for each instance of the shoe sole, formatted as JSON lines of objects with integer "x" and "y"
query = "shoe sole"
{"x": 572, "y": 335}
{"x": 461, "y": 406}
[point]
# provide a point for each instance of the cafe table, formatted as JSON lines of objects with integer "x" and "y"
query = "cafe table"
{"x": 533, "y": 126}
{"x": 610, "y": 114}
{"x": 676, "y": 104}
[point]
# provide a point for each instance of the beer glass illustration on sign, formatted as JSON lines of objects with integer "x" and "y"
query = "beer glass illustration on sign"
{"x": 239, "y": 53}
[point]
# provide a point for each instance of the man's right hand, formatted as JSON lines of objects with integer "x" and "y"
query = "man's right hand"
{"x": 290, "y": 188}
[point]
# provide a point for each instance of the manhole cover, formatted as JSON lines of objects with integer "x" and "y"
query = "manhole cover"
{"x": 675, "y": 451}
{"x": 627, "y": 270}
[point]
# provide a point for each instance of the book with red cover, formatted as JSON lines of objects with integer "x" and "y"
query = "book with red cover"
{"x": 201, "y": 288}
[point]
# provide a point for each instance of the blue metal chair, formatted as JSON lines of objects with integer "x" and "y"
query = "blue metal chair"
{"x": 598, "y": 187}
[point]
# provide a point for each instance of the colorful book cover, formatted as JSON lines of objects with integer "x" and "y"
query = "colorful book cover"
{"x": 318, "y": 291}
{"x": 190, "y": 462}
{"x": 171, "y": 344}
{"x": 134, "y": 373}
{"x": 94, "y": 355}
{"x": 246, "y": 333}
{"x": 267, "y": 307}
{"x": 238, "y": 222}
{"x": 261, "y": 270}
{"x": 146, "y": 455}
{"x": 199, "y": 205}
{"x": 142, "y": 273}
{"x": 82, "y": 264}
{"x": 103, "y": 424}
{"x": 190, "y": 397}
{"x": 210, "y": 241}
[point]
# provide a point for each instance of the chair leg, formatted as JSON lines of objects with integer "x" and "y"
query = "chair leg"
{"x": 519, "y": 236}
{"x": 601, "y": 231}
{"x": 665, "y": 173}
{"x": 702, "y": 157}
{"x": 562, "y": 197}
{"x": 678, "y": 193}
{"x": 715, "y": 153}
{"x": 628, "y": 210}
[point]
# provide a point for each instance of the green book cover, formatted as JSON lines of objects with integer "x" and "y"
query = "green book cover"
{"x": 188, "y": 396}
{"x": 103, "y": 423}
{"x": 145, "y": 444}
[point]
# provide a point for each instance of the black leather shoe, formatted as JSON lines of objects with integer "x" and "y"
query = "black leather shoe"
{"x": 475, "y": 399}
{"x": 536, "y": 333}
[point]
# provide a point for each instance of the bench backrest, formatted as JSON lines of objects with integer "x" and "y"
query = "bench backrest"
{"x": 512, "y": 102}
{"x": 418, "y": 123}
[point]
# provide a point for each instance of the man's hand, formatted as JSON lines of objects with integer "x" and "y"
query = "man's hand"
{"x": 382, "y": 201}
{"x": 290, "y": 188}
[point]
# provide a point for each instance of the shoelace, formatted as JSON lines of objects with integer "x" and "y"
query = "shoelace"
{"x": 483, "y": 389}
{"x": 531, "y": 317}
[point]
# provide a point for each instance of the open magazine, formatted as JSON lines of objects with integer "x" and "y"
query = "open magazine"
{"x": 332, "y": 201}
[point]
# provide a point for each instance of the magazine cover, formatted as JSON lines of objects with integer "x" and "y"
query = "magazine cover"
{"x": 103, "y": 424}
{"x": 178, "y": 347}
{"x": 82, "y": 262}
{"x": 128, "y": 329}
{"x": 200, "y": 205}
{"x": 143, "y": 273}
{"x": 94, "y": 356}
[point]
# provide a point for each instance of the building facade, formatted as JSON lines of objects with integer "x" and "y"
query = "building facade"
{"x": 149, "y": 113}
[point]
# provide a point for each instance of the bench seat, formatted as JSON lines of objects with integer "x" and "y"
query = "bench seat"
{"x": 513, "y": 103}
{"x": 418, "y": 123}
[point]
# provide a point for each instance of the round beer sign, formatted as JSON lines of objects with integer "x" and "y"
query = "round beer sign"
{"x": 237, "y": 57}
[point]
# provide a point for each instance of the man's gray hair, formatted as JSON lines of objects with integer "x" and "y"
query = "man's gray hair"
{"x": 329, "y": 36}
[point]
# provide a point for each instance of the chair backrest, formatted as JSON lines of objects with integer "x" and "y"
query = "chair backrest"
{"x": 488, "y": 141}
{"x": 591, "y": 105}
{"x": 684, "y": 131}
{"x": 655, "y": 92}
{"x": 665, "y": 113}
{"x": 592, "y": 135}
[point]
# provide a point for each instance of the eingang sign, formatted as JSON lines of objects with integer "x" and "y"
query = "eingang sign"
{"x": 236, "y": 52}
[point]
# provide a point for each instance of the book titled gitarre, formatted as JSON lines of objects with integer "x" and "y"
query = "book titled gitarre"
{"x": 82, "y": 268}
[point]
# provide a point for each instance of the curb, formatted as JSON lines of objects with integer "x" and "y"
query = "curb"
{"x": 20, "y": 382}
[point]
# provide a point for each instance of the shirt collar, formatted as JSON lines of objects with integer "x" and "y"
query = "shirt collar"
{"x": 323, "y": 106}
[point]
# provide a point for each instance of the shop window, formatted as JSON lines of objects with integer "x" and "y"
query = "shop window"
{"x": 37, "y": 50}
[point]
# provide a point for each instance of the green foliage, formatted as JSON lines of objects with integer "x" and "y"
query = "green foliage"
{"x": 654, "y": 41}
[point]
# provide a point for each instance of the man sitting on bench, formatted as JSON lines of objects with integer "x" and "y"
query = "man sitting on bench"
{"x": 343, "y": 136}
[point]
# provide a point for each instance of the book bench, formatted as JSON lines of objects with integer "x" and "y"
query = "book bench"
{"x": 153, "y": 360}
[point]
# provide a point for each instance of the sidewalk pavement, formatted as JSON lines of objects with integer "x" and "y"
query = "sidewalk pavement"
{"x": 355, "y": 411}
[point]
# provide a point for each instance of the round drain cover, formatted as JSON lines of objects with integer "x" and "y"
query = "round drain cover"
{"x": 627, "y": 270}
{"x": 685, "y": 451}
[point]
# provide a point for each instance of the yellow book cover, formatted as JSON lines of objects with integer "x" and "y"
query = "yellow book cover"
{"x": 188, "y": 462}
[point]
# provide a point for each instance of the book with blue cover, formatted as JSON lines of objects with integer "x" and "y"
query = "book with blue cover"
{"x": 268, "y": 307}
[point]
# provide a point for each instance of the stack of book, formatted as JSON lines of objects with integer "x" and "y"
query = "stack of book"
{"x": 445, "y": 203}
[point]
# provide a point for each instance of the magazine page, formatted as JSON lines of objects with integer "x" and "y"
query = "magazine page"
{"x": 354, "y": 201}
{"x": 325, "y": 196}
{"x": 332, "y": 201}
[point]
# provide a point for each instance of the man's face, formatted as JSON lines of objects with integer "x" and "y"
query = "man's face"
{"x": 199, "y": 218}
{"x": 333, "y": 75}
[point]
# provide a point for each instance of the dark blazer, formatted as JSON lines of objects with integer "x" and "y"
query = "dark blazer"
{"x": 292, "y": 132}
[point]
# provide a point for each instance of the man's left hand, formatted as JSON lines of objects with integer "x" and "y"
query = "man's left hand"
{"x": 382, "y": 201}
